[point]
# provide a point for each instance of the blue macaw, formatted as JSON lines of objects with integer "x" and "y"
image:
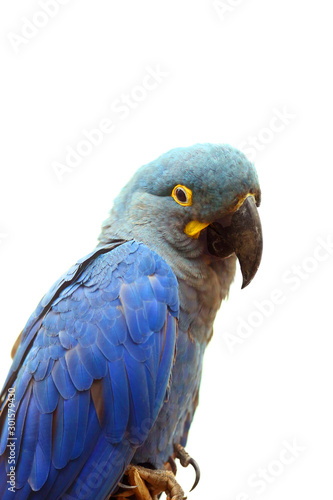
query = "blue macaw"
{"x": 106, "y": 373}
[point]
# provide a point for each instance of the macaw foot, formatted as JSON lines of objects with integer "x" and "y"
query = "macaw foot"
{"x": 185, "y": 460}
{"x": 148, "y": 484}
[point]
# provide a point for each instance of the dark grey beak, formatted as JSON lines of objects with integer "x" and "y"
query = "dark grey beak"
{"x": 239, "y": 233}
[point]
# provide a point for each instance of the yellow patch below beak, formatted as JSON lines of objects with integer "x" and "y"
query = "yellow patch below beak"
{"x": 194, "y": 228}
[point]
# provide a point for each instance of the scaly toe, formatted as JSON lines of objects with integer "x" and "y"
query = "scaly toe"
{"x": 185, "y": 460}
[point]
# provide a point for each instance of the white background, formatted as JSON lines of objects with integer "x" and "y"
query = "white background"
{"x": 227, "y": 76}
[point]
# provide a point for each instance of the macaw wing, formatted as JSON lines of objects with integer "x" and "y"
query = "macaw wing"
{"x": 94, "y": 377}
{"x": 26, "y": 337}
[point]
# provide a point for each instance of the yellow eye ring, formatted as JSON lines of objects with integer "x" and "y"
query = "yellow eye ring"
{"x": 182, "y": 195}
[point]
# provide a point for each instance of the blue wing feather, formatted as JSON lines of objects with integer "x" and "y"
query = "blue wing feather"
{"x": 65, "y": 423}
{"x": 82, "y": 423}
{"x": 120, "y": 390}
{"x": 28, "y": 444}
{"x": 42, "y": 459}
{"x": 62, "y": 380}
{"x": 46, "y": 394}
{"x": 91, "y": 373}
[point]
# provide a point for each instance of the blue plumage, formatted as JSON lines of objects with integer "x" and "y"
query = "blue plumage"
{"x": 105, "y": 380}
{"x": 108, "y": 367}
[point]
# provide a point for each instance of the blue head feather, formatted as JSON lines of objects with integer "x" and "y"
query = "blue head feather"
{"x": 218, "y": 176}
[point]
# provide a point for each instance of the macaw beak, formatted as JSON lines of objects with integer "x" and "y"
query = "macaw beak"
{"x": 239, "y": 233}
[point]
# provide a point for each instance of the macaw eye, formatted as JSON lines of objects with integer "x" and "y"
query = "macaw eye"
{"x": 182, "y": 195}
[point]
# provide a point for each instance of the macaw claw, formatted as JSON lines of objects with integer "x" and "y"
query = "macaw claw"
{"x": 197, "y": 473}
{"x": 185, "y": 460}
{"x": 173, "y": 465}
{"x": 126, "y": 486}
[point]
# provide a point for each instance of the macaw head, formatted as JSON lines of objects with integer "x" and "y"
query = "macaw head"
{"x": 191, "y": 202}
